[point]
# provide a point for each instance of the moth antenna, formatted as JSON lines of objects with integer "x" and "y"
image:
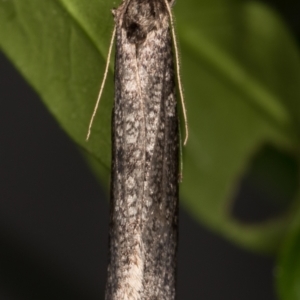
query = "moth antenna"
{"x": 178, "y": 72}
{"x": 102, "y": 84}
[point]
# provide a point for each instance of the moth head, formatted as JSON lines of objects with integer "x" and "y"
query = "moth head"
{"x": 140, "y": 18}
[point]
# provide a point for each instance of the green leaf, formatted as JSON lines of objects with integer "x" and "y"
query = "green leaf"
{"x": 244, "y": 98}
{"x": 56, "y": 50}
{"x": 288, "y": 269}
{"x": 235, "y": 61}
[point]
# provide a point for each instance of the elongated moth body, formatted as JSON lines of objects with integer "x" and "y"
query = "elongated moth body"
{"x": 144, "y": 180}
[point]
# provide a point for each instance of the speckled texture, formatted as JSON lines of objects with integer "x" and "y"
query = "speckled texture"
{"x": 144, "y": 184}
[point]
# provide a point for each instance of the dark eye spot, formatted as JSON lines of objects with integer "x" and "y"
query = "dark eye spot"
{"x": 135, "y": 34}
{"x": 133, "y": 27}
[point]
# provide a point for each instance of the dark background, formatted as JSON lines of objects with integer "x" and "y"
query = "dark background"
{"x": 54, "y": 214}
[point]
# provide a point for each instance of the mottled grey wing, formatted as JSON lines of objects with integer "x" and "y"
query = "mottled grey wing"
{"x": 144, "y": 187}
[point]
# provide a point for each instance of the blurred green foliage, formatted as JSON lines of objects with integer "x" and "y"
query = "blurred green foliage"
{"x": 241, "y": 74}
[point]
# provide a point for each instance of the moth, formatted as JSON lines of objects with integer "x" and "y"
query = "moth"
{"x": 145, "y": 154}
